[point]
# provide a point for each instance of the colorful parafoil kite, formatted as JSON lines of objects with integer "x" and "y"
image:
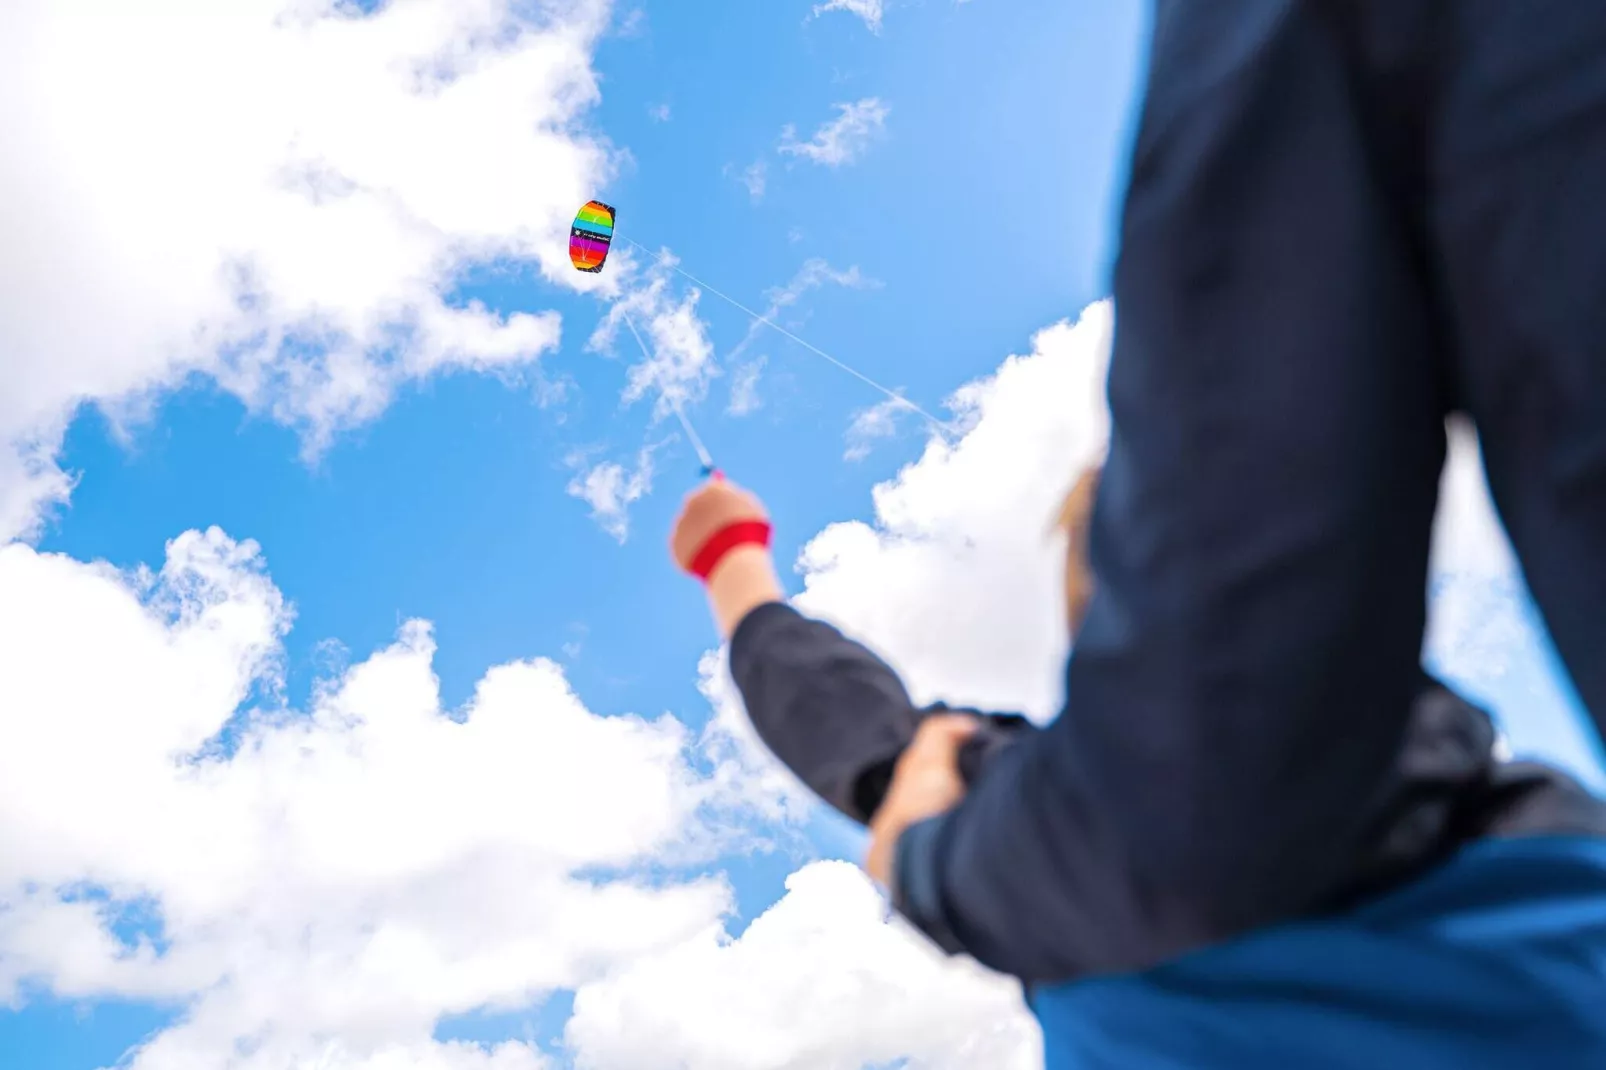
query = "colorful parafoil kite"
{"x": 590, "y": 236}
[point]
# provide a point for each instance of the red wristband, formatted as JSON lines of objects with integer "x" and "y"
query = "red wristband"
{"x": 726, "y": 539}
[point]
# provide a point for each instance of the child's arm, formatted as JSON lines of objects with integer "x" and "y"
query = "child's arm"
{"x": 741, "y": 583}
{"x": 827, "y": 707}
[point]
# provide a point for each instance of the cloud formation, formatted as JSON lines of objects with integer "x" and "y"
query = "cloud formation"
{"x": 814, "y": 273}
{"x": 351, "y": 871}
{"x": 841, "y": 140}
{"x": 868, "y": 10}
{"x": 872, "y": 424}
{"x": 610, "y": 489}
{"x": 754, "y": 178}
{"x": 826, "y": 979}
{"x": 658, "y": 326}
{"x": 744, "y": 397}
{"x": 294, "y": 230}
{"x": 956, "y": 579}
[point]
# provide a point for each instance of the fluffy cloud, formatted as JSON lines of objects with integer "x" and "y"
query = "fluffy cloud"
{"x": 1484, "y": 632}
{"x": 870, "y": 425}
{"x": 868, "y": 10}
{"x": 610, "y": 489}
{"x": 755, "y": 177}
{"x": 956, "y": 579}
{"x": 744, "y": 398}
{"x": 332, "y": 881}
{"x": 652, "y": 319}
{"x": 843, "y": 139}
{"x": 278, "y": 195}
{"x": 824, "y": 980}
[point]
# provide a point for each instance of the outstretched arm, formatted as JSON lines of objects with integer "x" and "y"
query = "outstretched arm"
{"x": 827, "y": 707}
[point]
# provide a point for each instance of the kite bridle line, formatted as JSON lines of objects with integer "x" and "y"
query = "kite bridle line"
{"x": 674, "y": 400}
{"x": 942, "y": 427}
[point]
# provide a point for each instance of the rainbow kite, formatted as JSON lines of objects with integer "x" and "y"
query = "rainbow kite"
{"x": 590, "y": 236}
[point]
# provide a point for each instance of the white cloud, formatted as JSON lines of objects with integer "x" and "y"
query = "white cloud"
{"x": 879, "y": 421}
{"x": 634, "y": 23}
{"x": 348, "y": 874}
{"x": 610, "y": 489}
{"x": 813, "y": 274}
{"x": 843, "y": 139}
{"x": 1468, "y": 536}
{"x": 679, "y": 358}
{"x": 755, "y": 177}
{"x": 573, "y": 647}
{"x": 744, "y": 388}
{"x": 957, "y": 580}
{"x": 658, "y": 113}
{"x": 170, "y": 1052}
{"x": 747, "y": 772}
{"x": 292, "y": 228}
{"x": 824, "y": 980}
{"x": 868, "y": 10}
{"x": 1484, "y": 633}
{"x": 654, "y": 322}
{"x": 1476, "y": 621}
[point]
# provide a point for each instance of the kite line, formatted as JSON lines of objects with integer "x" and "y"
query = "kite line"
{"x": 589, "y": 240}
{"x": 674, "y": 400}
{"x": 942, "y": 425}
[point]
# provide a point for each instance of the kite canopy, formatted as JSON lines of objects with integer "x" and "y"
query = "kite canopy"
{"x": 590, "y": 236}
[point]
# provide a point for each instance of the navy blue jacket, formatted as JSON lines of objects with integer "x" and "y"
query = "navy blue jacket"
{"x": 1346, "y": 220}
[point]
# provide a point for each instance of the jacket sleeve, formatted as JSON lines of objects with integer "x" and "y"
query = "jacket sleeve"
{"x": 835, "y": 713}
{"x": 1260, "y": 539}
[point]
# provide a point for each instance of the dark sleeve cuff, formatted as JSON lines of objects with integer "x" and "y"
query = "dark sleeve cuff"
{"x": 917, "y": 882}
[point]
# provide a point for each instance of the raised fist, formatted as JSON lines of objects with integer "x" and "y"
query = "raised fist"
{"x": 707, "y": 510}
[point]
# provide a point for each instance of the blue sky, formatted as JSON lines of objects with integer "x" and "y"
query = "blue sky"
{"x": 990, "y": 191}
{"x": 978, "y": 214}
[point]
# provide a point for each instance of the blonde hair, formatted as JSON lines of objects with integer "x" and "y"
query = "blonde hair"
{"x": 1075, "y": 511}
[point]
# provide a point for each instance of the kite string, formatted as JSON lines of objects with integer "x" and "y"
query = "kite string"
{"x": 674, "y": 400}
{"x": 941, "y": 425}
